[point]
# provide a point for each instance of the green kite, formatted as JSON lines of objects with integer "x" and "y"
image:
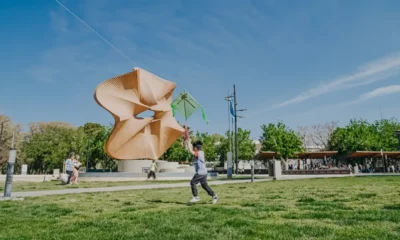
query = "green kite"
{"x": 186, "y": 105}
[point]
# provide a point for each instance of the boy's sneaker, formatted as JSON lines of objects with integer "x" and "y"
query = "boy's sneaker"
{"x": 215, "y": 199}
{"x": 195, "y": 200}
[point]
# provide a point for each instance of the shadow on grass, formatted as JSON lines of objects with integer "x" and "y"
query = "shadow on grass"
{"x": 178, "y": 203}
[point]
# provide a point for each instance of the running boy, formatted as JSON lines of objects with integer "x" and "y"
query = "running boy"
{"x": 199, "y": 163}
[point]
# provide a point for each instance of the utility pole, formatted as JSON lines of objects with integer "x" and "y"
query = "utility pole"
{"x": 228, "y": 99}
{"x": 236, "y": 129}
{"x": 229, "y": 153}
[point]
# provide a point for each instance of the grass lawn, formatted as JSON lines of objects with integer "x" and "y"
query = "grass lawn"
{"x": 337, "y": 208}
{"x": 56, "y": 185}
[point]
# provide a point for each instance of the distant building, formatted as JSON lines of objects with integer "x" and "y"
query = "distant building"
{"x": 258, "y": 145}
{"x": 314, "y": 148}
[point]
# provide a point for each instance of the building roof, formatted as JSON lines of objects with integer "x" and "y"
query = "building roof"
{"x": 374, "y": 154}
{"x": 263, "y": 155}
{"x": 316, "y": 155}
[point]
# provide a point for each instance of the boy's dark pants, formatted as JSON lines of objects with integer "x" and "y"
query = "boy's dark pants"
{"x": 202, "y": 179}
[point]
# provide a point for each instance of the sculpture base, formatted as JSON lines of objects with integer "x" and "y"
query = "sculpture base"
{"x": 143, "y": 166}
{"x": 133, "y": 166}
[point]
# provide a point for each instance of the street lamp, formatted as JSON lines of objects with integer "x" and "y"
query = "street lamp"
{"x": 397, "y": 133}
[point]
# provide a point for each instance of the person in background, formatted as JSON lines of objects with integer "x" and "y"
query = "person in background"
{"x": 69, "y": 167}
{"x": 152, "y": 172}
{"x": 77, "y": 164}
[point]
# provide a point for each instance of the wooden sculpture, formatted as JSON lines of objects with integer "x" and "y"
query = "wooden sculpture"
{"x": 125, "y": 97}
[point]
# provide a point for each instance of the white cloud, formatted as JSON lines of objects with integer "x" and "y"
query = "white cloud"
{"x": 366, "y": 74}
{"x": 382, "y": 91}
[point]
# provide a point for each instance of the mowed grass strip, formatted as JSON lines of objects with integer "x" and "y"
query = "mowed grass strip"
{"x": 337, "y": 208}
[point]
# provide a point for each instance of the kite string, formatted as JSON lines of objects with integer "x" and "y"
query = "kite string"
{"x": 105, "y": 40}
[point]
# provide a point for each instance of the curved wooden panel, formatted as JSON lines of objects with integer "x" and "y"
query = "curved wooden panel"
{"x": 125, "y": 97}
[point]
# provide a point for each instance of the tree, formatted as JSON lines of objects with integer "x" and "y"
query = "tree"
{"x": 281, "y": 140}
{"x": 49, "y": 144}
{"x": 246, "y": 147}
{"x": 96, "y": 138}
{"x": 385, "y": 129}
{"x": 360, "y": 135}
{"x": 101, "y": 157}
{"x": 317, "y": 135}
{"x": 222, "y": 149}
{"x": 177, "y": 152}
{"x": 7, "y": 128}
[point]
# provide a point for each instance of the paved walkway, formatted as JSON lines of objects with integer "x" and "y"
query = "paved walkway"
{"x": 175, "y": 185}
{"x": 123, "y": 188}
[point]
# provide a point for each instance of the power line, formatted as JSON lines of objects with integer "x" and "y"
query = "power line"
{"x": 105, "y": 40}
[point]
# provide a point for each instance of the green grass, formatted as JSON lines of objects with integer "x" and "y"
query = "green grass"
{"x": 337, "y": 208}
{"x": 56, "y": 185}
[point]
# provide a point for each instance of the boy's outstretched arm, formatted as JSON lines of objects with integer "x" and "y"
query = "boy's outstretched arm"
{"x": 188, "y": 146}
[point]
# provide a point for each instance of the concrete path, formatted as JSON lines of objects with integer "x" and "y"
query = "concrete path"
{"x": 175, "y": 185}
{"x": 123, "y": 188}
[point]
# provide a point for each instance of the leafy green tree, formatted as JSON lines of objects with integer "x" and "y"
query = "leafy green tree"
{"x": 246, "y": 147}
{"x": 49, "y": 144}
{"x": 7, "y": 128}
{"x": 222, "y": 149}
{"x": 96, "y": 136}
{"x": 385, "y": 129}
{"x": 282, "y": 140}
{"x": 360, "y": 135}
{"x": 177, "y": 152}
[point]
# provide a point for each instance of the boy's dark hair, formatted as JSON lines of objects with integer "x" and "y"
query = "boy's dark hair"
{"x": 198, "y": 145}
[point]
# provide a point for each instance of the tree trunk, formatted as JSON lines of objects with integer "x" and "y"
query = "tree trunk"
{"x": 237, "y": 167}
{"x": 285, "y": 164}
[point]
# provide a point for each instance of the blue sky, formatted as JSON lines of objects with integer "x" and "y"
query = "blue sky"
{"x": 302, "y": 63}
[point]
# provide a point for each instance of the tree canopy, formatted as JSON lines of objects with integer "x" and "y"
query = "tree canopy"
{"x": 360, "y": 135}
{"x": 7, "y": 129}
{"x": 281, "y": 139}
